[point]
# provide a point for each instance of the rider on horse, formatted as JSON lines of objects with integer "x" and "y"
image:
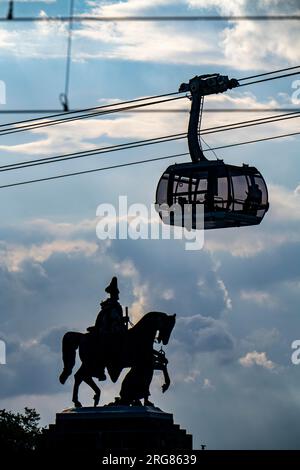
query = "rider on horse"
{"x": 110, "y": 318}
{"x": 109, "y": 328}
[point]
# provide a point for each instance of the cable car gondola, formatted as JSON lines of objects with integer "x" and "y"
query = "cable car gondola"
{"x": 229, "y": 195}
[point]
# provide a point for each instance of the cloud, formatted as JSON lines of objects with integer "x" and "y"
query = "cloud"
{"x": 264, "y": 338}
{"x": 272, "y": 267}
{"x": 115, "y": 40}
{"x": 255, "y": 44}
{"x": 21, "y": 41}
{"x": 285, "y": 204}
{"x": 227, "y": 299}
{"x": 14, "y": 256}
{"x": 198, "y": 334}
{"x": 147, "y": 42}
{"x": 192, "y": 377}
{"x": 61, "y": 292}
{"x": 280, "y": 227}
{"x": 255, "y": 358}
{"x": 31, "y": 368}
{"x": 232, "y": 7}
{"x": 31, "y": 374}
{"x": 250, "y": 45}
{"x": 207, "y": 385}
{"x": 242, "y": 45}
{"x": 259, "y": 297}
{"x": 236, "y": 300}
{"x": 53, "y": 338}
{"x": 168, "y": 294}
{"x": 133, "y": 7}
{"x": 90, "y": 134}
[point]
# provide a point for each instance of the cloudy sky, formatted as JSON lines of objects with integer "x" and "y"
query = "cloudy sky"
{"x": 237, "y": 299}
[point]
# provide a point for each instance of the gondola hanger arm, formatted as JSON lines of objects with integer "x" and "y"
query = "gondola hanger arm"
{"x": 199, "y": 87}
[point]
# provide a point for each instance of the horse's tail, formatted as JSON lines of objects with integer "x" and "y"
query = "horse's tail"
{"x": 70, "y": 344}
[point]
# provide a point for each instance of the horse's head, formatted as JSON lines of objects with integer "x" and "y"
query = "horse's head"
{"x": 165, "y": 328}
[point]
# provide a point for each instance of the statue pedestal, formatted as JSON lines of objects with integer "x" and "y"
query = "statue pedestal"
{"x": 92, "y": 431}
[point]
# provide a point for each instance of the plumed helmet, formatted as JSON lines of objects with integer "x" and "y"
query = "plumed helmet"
{"x": 113, "y": 287}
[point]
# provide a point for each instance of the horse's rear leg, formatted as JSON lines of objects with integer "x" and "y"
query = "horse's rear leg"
{"x": 78, "y": 378}
{"x": 70, "y": 343}
{"x": 89, "y": 381}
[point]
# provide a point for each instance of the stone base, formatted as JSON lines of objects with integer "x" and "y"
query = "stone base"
{"x": 92, "y": 431}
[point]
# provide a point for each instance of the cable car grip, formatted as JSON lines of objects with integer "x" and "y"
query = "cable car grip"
{"x": 201, "y": 86}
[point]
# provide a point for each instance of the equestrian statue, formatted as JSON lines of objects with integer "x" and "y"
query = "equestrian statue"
{"x": 110, "y": 344}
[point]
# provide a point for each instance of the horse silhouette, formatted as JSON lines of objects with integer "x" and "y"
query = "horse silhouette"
{"x": 135, "y": 350}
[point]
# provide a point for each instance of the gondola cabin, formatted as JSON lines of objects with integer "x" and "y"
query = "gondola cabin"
{"x": 232, "y": 196}
{"x": 228, "y": 195}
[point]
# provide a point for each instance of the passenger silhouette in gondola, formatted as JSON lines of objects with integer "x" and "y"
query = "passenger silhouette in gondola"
{"x": 253, "y": 200}
{"x": 108, "y": 329}
{"x": 209, "y": 202}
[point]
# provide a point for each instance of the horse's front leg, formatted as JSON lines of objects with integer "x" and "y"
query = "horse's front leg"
{"x": 77, "y": 381}
{"x": 89, "y": 381}
{"x": 167, "y": 383}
